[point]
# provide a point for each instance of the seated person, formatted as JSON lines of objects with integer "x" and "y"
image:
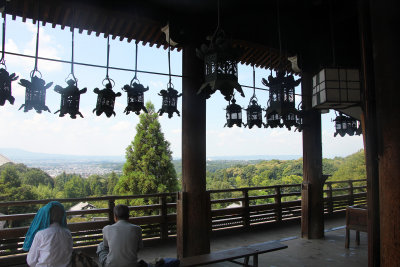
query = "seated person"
{"x": 52, "y": 241}
{"x": 121, "y": 241}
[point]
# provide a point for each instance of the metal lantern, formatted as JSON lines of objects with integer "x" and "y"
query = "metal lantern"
{"x": 105, "y": 100}
{"x": 233, "y": 114}
{"x": 5, "y": 86}
{"x": 70, "y": 97}
{"x": 281, "y": 109}
{"x": 273, "y": 120}
{"x": 35, "y": 94}
{"x": 220, "y": 67}
{"x": 347, "y": 125}
{"x": 254, "y": 114}
{"x": 169, "y": 101}
{"x": 135, "y": 97}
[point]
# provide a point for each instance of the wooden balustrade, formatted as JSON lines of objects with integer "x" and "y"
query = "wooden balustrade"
{"x": 258, "y": 205}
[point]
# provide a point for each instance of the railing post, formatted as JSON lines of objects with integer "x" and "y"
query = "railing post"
{"x": 111, "y": 205}
{"x": 278, "y": 202}
{"x": 246, "y": 208}
{"x": 330, "y": 197}
{"x": 164, "y": 220}
{"x": 351, "y": 193}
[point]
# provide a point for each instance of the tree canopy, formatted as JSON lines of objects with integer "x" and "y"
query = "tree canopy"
{"x": 148, "y": 167}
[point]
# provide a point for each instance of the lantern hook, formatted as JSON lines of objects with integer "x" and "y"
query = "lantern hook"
{"x": 2, "y": 60}
{"x": 136, "y": 57}
{"x": 72, "y": 59}
{"x": 254, "y": 86}
{"x": 107, "y": 78}
{"x": 35, "y": 69}
{"x": 169, "y": 84}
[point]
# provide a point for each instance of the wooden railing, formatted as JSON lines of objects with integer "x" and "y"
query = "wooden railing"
{"x": 258, "y": 205}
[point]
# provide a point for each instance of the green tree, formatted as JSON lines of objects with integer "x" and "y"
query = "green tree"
{"x": 148, "y": 167}
{"x": 36, "y": 177}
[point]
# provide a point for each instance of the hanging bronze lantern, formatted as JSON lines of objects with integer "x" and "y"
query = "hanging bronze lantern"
{"x": 5, "y": 86}
{"x": 299, "y": 118}
{"x": 281, "y": 100}
{"x": 70, "y": 97}
{"x": 135, "y": 98}
{"x": 220, "y": 67}
{"x": 105, "y": 100}
{"x": 340, "y": 125}
{"x": 254, "y": 114}
{"x": 169, "y": 101}
{"x": 135, "y": 92}
{"x": 5, "y": 77}
{"x": 233, "y": 114}
{"x": 35, "y": 94}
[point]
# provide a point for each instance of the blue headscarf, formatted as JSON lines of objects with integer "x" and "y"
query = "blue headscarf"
{"x": 42, "y": 221}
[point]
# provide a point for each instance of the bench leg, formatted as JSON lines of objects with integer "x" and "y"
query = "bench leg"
{"x": 255, "y": 260}
{"x": 346, "y": 244}
{"x": 246, "y": 261}
{"x": 358, "y": 238}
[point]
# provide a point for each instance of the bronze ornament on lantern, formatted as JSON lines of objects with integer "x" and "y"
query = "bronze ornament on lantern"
{"x": 105, "y": 100}
{"x": 233, "y": 114}
{"x": 5, "y": 77}
{"x": 5, "y": 86}
{"x": 220, "y": 67}
{"x": 169, "y": 101}
{"x": 70, "y": 97}
{"x": 135, "y": 93}
{"x": 281, "y": 110}
{"x": 35, "y": 94}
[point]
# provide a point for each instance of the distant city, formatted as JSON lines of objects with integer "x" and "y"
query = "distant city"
{"x": 56, "y": 164}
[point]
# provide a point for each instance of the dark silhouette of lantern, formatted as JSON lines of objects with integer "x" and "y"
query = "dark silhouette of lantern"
{"x": 220, "y": 67}
{"x": 35, "y": 94}
{"x": 70, "y": 97}
{"x": 340, "y": 125}
{"x": 254, "y": 114}
{"x": 105, "y": 100}
{"x": 5, "y": 86}
{"x": 281, "y": 110}
{"x": 169, "y": 101}
{"x": 347, "y": 125}
{"x": 233, "y": 114}
{"x": 135, "y": 98}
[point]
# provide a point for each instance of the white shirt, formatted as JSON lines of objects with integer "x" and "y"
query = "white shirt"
{"x": 51, "y": 247}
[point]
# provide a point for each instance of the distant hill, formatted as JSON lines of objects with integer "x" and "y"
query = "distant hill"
{"x": 3, "y": 160}
{"x": 19, "y": 155}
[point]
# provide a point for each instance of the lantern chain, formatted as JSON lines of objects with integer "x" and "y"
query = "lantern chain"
{"x": 35, "y": 69}
{"x": 170, "y": 85}
{"x": 136, "y": 59}
{"x": 107, "y": 78}
{"x": 2, "y": 61}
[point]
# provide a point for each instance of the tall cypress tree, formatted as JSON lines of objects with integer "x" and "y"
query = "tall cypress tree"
{"x": 148, "y": 167}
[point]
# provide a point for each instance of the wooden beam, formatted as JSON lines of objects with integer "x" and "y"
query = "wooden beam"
{"x": 385, "y": 40}
{"x": 312, "y": 210}
{"x": 369, "y": 126}
{"x": 193, "y": 212}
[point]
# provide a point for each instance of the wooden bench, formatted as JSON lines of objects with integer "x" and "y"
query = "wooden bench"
{"x": 356, "y": 219}
{"x": 232, "y": 254}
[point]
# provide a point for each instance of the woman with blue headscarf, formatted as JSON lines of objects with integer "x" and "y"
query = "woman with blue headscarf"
{"x": 48, "y": 240}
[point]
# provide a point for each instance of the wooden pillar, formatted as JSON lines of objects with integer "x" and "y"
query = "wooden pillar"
{"x": 193, "y": 203}
{"x": 385, "y": 40}
{"x": 369, "y": 125}
{"x": 312, "y": 204}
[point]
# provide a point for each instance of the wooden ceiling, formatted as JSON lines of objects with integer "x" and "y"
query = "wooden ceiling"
{"x": 267, "y": 32}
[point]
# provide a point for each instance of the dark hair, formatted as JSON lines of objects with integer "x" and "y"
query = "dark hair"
{"x": 56, "y": 214}
{"x": 121, "y": 212}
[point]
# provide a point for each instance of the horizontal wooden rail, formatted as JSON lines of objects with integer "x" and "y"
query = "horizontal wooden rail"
{"x": 280, "y": 203}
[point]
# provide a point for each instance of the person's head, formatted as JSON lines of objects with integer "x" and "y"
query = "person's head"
{"x": 56, "y": 214}
{"x": 121, "y": 212}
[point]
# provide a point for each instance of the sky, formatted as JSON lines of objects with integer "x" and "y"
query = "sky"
{"x": 93, "y": 135}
